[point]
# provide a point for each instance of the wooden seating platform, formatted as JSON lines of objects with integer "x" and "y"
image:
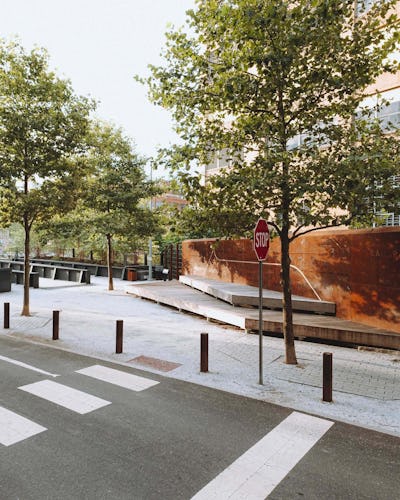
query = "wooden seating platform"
{"x": 306, "y": 325}
{"x": 245, "y": 295}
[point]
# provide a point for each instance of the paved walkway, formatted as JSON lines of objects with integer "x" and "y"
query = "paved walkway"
{"x": 163, "y": 340}
{"x": 351, "y": 375}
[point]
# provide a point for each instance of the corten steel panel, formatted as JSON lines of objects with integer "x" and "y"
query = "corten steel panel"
{"x": 359, "y": 270}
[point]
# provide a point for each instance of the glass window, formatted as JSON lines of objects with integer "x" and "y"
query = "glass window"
{"x": 386, "y": 107}
{"x": 363, "y": 6}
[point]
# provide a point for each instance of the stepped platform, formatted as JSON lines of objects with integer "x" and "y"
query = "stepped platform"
{"x": 245, "y": 295}
{"x": 306, "y": 325}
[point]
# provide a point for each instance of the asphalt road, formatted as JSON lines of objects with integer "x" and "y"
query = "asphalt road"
{"x": 167, "y": 441}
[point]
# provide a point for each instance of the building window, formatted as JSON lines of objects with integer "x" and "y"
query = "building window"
{"x": 364, "y": 6}
{"x": 315, "y": 136}
{"x": 223, "y": 159}
{"x": 385, "y": 107}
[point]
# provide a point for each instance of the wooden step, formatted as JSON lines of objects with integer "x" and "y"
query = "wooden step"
{"x": 245, "y": 296}
{"x": 328, "y": 328}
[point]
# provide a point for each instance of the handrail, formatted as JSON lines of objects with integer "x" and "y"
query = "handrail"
{"x": 268, "y": 264}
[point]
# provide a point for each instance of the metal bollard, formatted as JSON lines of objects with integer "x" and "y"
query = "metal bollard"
{"x": 327, "y": 377}
{"x": 204, "y": 352}
{"x": 119, "y": 336}
{"x": 6, "y": 315}
{"x": 56, "y": 324}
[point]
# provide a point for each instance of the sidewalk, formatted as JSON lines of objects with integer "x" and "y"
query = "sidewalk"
{"x": 163, "y": 340}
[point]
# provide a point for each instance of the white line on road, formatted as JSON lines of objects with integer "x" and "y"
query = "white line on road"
{"x": 118, "y": 377}
{"x": 29, "y": 367}
{"x": 14, "y": 428}
{"x": 257, "y": 472}
{"x": 62, "y": 395}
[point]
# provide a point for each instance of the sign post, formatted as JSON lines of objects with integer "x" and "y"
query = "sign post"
{"x": 261, "y": 247}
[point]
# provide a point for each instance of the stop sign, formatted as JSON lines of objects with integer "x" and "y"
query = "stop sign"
{"x": 261, "y": 239}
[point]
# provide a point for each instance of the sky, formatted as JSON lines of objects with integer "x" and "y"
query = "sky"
{"x": 100, "y": 45}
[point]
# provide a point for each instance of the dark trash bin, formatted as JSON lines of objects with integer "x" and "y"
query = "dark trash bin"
{"x": 5, "y": 280}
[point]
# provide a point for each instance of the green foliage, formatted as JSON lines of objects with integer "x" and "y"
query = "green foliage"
{"x": 113, "y": 213}
{"x": 64, "y": 232}
{"x": 254, "y": 75}
{"x": 116, "y": 188}
{"x": 42, "y": 131}
{"x": 194, "y": 223}
{"x": 114, "y": 199}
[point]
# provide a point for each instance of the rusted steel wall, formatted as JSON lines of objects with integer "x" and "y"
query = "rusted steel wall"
{"x": 359, "y": 270}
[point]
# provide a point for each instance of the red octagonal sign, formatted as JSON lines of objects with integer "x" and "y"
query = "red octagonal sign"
{"x": 261, "y": 239}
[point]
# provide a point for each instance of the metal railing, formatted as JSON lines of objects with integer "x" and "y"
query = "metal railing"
{"x": 388, "y": 219}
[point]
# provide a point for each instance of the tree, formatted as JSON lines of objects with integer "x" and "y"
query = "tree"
{"x": 115, "y": 204}
{"x": 17, "y": 240}
{"x": 65, "y": 231}
{"x": 272, "y": 87}
{"x": 42, "y": 130}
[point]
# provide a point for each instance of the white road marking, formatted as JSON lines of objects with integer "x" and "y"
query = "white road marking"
{"x": 118, "y": 377}
{"x": 14, "y": 428}
{"x": 255, "y": 474}
{"x": 62, "y": 395}
{"x": 29, "y": 367}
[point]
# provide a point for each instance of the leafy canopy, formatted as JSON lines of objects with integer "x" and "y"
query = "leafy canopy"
{"x": 273, "y": 87}
{"x": 116, "y": 187}
{"x": 42, "y": 136}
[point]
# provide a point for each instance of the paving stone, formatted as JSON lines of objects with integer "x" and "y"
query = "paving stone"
{"x": 360, "y": 378}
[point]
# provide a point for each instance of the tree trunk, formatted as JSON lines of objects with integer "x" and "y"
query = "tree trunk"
{"x": 25, "y": 307}
{"x": 109, "y": 262}
{"x": 290, "y": 351}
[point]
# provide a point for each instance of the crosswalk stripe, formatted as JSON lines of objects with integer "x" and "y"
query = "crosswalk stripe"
{"x": 14, "y": 428}
{"x": 118, "y": 377}
{"x": 256, "y": 473}
{"x": 25, "y": 365}
{"x": 77, "y": 401}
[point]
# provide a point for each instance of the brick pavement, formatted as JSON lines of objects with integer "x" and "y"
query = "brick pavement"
{"x": 353, "y": 374}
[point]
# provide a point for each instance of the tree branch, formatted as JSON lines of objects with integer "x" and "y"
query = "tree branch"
{"x": 345, "y": 223}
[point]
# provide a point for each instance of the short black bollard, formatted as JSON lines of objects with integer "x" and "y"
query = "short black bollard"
{"x": 119, "y": 335}
{"x": 204, "y": 352}
{"x": 56, "y": 324}
{"x": 6, "y": 315}
{"x": 327, "y": 377}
